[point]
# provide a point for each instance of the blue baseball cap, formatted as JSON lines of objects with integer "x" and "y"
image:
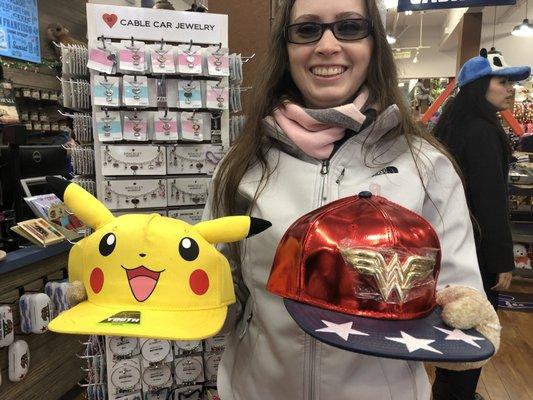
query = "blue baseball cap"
{"x": 490, "y": 64}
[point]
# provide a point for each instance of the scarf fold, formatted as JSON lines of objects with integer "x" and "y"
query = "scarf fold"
{"x": 315, "y": 131}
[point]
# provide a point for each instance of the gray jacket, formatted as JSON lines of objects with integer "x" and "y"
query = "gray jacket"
{"x": 268, "y": 357}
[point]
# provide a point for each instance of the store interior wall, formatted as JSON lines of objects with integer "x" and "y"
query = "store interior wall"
{"x": 178, "y": 4}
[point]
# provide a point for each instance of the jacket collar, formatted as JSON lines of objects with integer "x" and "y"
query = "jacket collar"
{"x": 383, "y": 123}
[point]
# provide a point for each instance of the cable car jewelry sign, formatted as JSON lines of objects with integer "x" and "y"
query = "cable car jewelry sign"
{"x": 150, "y": 24}
{"x": 420, "y": 5}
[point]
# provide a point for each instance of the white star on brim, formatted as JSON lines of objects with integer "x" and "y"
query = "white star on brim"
{"x": 458, "y": 334}
{"x": 343, "y": 330}
{"x": 413, "y": 343}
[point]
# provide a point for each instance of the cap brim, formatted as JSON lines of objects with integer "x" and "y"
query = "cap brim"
{"x": 417, "y": 340}
{"x": 87, "y": 318}
{"x": 514, "y": 74}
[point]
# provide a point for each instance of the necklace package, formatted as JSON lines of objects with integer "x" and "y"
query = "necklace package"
{"x": 189, "y": 370}
{"x": 106, "y": 91}
{"x": 136, "y": 125}
{"x": 131, "y": 56}
{"x": 156, "y": 362}
{"x": 162, "y": 59}
{"x": 213, "y": 155}
{"x": 217, "y": 95}
{"x": 108, "y": 126}
{"x": 189, "y": 392}
{"x": 102, "y": 57}
{"x": 185, "y": 347}
{"x": 135, "y": 92}
{"x": 192, "y": 126}
{"x": 189, "y": 59}
{"x": 217, "y": 61}
{"x": 187, "y": 158}
{"x": 126, "y": 194}
{"x": 190, "y": 215}
{"x": 133, "y": 160}
{"x": 188, "y": 191}
{"x": 165, "y": 126}
{"x": 189, "y": 94}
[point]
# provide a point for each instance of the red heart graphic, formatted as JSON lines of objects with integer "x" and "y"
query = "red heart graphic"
{"x": 110, "y": 19}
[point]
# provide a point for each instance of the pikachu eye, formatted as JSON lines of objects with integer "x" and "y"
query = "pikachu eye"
{"x": 189, "y": 249}
{"x": 107, "y": 244}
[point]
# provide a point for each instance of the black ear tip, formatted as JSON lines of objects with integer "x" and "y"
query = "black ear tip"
{"x": 483, "y": 52}
{"x": 58, "y": 185}
{"x": 258, "y": 225}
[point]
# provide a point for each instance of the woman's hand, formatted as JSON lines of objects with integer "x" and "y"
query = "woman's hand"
{"x": 504, "y": 281}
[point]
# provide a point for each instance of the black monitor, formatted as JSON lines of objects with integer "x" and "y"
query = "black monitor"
{"x": 42, "y": 161}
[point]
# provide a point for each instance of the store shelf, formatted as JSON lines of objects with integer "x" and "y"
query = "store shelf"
{"x": 523, "y": 273}
{"x": 522, "y": 231}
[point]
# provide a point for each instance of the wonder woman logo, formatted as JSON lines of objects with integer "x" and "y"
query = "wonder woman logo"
{"x": 393, "y": 275}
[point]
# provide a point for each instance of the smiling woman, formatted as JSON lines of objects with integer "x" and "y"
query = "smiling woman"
{"x": 328, "y": 119}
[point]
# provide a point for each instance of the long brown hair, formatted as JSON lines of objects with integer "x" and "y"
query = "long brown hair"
{"x": 275, "y": 83}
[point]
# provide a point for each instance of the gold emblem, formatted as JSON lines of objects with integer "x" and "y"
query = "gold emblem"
{"x": 391, "y": 276}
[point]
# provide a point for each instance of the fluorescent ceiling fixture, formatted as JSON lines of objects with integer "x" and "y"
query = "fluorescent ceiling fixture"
{"x": 391, "y": 4}
{"x": 525, "y": 29}
{"x": 408, "y": 12}
{"x": 391, "y": 39}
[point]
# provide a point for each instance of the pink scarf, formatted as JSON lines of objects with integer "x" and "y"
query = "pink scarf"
{"x": 315, "y": 131}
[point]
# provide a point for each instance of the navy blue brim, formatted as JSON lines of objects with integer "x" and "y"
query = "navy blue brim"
{"x": 514, "y": 74}
{"x": 424, "y": 339}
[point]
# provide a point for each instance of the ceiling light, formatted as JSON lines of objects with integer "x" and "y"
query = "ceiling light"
{"x": 525, "y": 29}
{"x": 408, "y": 12}
{"x": 391, "y": 39}
{"x": 391, "y": 4}
{"x": 415, "y": 60}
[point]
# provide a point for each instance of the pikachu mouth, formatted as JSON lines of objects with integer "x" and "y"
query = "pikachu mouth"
{"x": 142, "y": 281}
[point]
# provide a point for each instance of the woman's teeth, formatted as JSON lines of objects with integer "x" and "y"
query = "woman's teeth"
{"x": 327, "y": 71}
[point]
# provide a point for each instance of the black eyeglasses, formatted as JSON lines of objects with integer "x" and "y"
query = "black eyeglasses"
{"x": 346, "y": 30}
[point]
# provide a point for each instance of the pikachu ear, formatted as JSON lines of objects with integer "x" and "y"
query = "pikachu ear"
{"x": 86, "y": 207}
{"x": 231, "y": 229}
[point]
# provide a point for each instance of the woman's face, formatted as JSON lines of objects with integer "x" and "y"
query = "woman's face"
{"x": 329, "y": 72}
{"x": 500, "y": 93}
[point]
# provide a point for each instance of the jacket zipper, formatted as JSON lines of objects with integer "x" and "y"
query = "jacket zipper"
{"x": 324, "y": 171}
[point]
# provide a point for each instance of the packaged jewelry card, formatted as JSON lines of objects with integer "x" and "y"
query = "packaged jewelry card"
{"x": 187, "y": 158}
{"x": 193, "y": 126}
{"x": 133, "y": 194}
{"x": 211, "y": 362}
{"x": 189, "y": 94}
{"x": 217, "y": 61}
{"x": 213, "y": 155}
{"x": 188, "y": 191}
{"x": 189, "y": 392}
{"x": 189, "y": 370}
{"x": 135, "y": 90}
{"x": 192, "y": 216}
{"x": 131, "y": 56}
{"x": 108, "y": 126}
{"x": 184, "y": 347}
{"x": 136, "y": 125}
{"x": 133, "y": 160}
{"x": 124, "y": 377}
{"x": 106, "y": 91}
{"x": 102, "y": 56}
{"x": 217, "y": 95}
{"x": 189, "y": 59}
{"x": 120, "y": 347}
{"x": 162, "y": 58}
{"x": 165, "y": 125}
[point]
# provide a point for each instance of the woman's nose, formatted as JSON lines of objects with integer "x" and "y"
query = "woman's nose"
{"x": 328, "y": 43}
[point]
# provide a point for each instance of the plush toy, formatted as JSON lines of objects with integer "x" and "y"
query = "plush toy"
{"x": 163, "y": 5}
{"x": 465, "y": 308}
{"x": 144, "y": 275}
{"x": 521, "y": 259}
{"x": 60, "y": 34}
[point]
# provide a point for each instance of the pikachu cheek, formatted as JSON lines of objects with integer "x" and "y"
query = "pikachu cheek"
{"x": 96, "y": 280}
{"x": 199, "y": 282}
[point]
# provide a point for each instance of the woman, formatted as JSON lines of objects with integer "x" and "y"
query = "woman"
{"x": 326, "y": 54}
{"x": 470, "y": 129}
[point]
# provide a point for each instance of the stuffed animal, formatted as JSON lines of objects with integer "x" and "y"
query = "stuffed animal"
{"x": 163, "y": 5}
{"x": 465, "y": 308}
{"x": 60, "y": 34}
{"x": 521, "y": 259}
{"x": 145, "y": 275}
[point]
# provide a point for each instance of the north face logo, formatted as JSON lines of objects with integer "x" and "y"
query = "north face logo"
{"x": 387, "y": 170}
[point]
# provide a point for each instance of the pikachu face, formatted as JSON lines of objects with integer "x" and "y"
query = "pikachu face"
{"x": 147, "y": 275}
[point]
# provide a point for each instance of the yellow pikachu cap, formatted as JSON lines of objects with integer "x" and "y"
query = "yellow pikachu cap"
{"x": 146, "y": 275}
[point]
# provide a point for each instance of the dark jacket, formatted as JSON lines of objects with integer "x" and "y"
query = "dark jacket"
{"x": 483, "y": 153}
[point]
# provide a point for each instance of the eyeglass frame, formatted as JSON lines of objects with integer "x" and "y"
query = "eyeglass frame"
{"x": 329, "y": 25}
